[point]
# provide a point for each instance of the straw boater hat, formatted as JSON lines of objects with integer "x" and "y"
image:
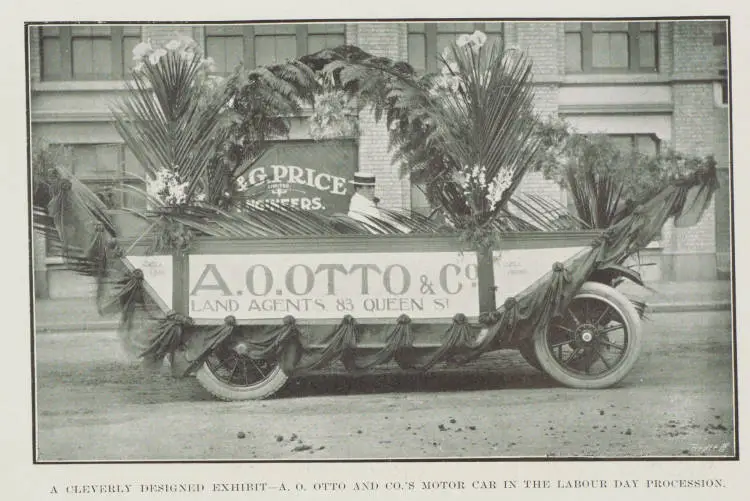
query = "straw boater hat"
{"x": 363, "y": 179}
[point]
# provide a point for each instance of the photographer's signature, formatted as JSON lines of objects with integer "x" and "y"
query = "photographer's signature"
{"x": 722, "y": 448}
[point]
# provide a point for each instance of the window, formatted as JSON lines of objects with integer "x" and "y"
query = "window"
{"x": 426, "y": 41}
{"x": 610, "y": 47}
{"x": 105, "y": 169}
{"x": 266, "y": 44}
{"x": 721, "y": 92}
{"x": 88, "y": 52}
{"x": 646, "y": 144}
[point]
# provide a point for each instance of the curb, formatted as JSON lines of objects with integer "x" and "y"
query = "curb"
{"x": 68, "y": 327}
{"x": 108, "y": 325}
{"x": 689, "y": 307}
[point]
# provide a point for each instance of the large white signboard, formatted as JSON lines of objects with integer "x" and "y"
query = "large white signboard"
{"x": 368, "y": 286}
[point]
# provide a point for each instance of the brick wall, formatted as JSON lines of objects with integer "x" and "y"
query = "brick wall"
{"x": 388, "y": 40}
{"x": 35, "y": 56}
{"x": 666, "y": 49}
{"x": 694, "y": 51}
{"x": 692, "y": 133}
{"x": 723, "y": 195}
{"x": 541, "y": 42}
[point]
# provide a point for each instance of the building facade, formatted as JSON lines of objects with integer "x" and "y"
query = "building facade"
{"x": 645, "y": 83}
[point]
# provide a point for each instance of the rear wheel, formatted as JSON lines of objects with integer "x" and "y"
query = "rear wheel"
{"x": 597, "y": 341}
{"x": 230, "y": 374}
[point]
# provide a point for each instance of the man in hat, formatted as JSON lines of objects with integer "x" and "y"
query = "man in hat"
{"x": 363, "y": 203}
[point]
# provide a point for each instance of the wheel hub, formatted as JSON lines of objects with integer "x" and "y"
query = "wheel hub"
{"x": 586, "y": 333}
{"x": 241, "y": 348}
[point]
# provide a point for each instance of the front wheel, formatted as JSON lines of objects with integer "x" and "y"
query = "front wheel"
{"x": 597, "y": 341}
{"x": 230, "y": 374}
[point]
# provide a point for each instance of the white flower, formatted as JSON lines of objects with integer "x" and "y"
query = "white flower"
{"x": 187, "y": 42}
{"x": 478, "y": 39}
{"x": 209, "y": 64}
{"x": 187, "y": 55}
{"x": 463, "y": 40}
{"x": 141, "y": 50}
{"x": 499, "y": 185}
{"x": 200, "y": 197}
{"x": 167, "y": 187}
{"x": 461, "y": 178}
{"x": 173, "y": 45}
{"x": 154, "y": 57}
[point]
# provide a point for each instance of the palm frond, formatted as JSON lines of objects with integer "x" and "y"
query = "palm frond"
{"x": 165, "y": 120}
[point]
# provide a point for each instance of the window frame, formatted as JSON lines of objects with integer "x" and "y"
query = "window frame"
{"x": 248, "y": 35}
{"x": 65, "y": 37}
{"x": 117, "y": 177}
{"x": 431, "y": 38}
{"x": 586, "y": 33}
{"x": 633, "y": 136}
{"x": 100, "y": 184}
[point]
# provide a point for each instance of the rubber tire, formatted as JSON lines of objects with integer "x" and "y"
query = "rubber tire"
{"x": 633, "y": 323}
{"x": 528, "y": 352}
{"x": 258, "y": 391}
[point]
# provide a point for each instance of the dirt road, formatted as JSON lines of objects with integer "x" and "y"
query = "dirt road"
{"x": 93, "y": 403}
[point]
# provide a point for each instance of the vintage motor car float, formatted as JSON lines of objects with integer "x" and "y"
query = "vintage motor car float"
{"x": 243, "y": 299}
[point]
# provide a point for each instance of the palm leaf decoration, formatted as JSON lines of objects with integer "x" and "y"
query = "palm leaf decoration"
{"x": 168, "y": 120}
{"x": 477, "y": 112}
{"x": 607, "y": 182}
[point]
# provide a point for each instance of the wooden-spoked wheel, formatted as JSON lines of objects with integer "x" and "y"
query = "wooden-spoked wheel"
{"x": 597, "y": 341}
{"x": 229, "y": 373}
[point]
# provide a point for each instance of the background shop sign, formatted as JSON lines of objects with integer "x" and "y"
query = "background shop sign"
{"x": 305, "y": 175}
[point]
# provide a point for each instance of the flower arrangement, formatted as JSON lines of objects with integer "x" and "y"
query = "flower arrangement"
{"x": 167, "y": 187}
{"x": 480, "y": 153}
{"x": 182, "y": 47}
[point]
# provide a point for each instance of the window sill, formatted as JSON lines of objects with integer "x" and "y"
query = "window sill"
{"x": 79, "y": 86}
{"x": 616, "y": 78}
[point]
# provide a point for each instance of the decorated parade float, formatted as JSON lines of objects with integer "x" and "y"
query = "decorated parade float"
{"x": 243, "y": 291}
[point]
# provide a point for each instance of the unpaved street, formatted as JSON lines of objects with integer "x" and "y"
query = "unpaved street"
{"x": 93, "y": 403}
